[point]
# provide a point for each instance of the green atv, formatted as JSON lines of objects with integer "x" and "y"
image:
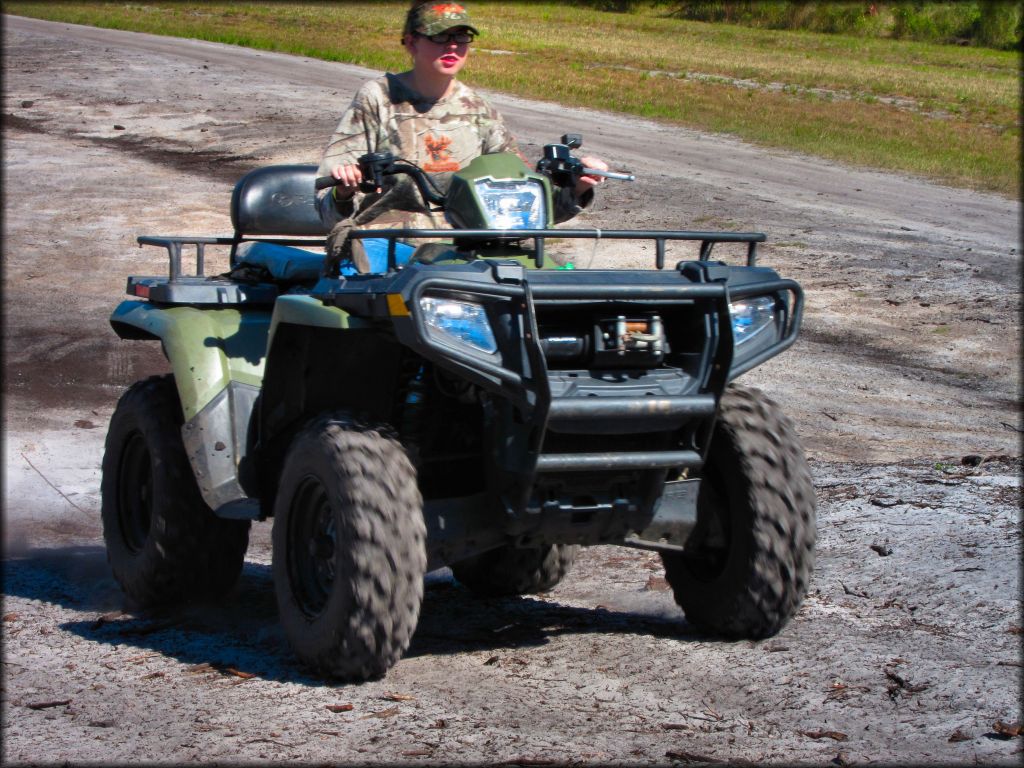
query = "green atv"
{"x": 459, "y": 405}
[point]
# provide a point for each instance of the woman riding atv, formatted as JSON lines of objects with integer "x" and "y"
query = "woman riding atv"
{"x": 428, "y": 118}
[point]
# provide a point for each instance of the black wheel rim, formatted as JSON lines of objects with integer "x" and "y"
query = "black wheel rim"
{"x": 135, "y": 493}
{"x": 312, "y": 541}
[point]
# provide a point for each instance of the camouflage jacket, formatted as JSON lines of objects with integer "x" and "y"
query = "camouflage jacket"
{"x": 439, "y": 136}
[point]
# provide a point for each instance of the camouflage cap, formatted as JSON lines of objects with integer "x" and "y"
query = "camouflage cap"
{"x": 435, "y": 18}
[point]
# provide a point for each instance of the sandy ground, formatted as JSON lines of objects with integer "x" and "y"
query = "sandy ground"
{"x": 908, "y": 362}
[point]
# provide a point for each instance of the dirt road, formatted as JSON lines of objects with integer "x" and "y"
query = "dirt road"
{"x": 908, "y": 362}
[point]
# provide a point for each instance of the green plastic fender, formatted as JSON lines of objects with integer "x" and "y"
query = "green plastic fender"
{"x": 207, "y": 348}
{"x": 307, "y": 311}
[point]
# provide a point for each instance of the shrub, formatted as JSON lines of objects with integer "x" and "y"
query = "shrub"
{"x": 999, "y": 24}
{"x": 615, "y": 6}
{"x": 991, "y": 23}
{"x": 934, "y": 22}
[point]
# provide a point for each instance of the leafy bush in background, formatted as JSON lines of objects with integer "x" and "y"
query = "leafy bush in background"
{"x": 988, "y": 23}
{"x": 1000, "y": 24}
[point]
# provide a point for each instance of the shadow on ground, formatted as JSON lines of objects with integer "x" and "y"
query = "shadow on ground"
{"x": 241, "y": 631}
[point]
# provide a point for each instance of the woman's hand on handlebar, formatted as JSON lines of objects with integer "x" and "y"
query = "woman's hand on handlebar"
{"x": 586, "y": 181}
{"x": 349, "y": 177}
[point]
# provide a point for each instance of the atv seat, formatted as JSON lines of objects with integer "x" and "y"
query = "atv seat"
{"x": 274, "y": 202}
{"x": 277, "y": 245}
{"x": 280, "y": 200}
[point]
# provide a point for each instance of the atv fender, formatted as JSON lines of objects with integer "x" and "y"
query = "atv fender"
{"x": 307, "y": 311}
{"x": 207, "y": 348}
{"x": 217, "y": 357}
{"x": 321, "y": 358}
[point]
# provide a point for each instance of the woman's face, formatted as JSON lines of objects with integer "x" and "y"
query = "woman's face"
{"x": 437, "y": 58}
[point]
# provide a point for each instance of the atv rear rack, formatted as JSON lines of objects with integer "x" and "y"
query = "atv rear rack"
{"x": 174, "y": 243}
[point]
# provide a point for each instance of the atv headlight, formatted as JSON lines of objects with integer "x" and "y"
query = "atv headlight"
{"x": 751, "y": 317}
{"x": 512, "y": 204}
{"x": 458, "y": 323}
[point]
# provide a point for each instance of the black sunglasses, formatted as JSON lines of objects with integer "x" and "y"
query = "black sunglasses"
{"x": 460, "y": 38}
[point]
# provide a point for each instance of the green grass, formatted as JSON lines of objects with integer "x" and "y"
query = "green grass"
{"x": 949, "y": 113}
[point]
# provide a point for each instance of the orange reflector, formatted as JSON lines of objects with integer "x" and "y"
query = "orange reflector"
{"x": 396, "y": 307}
{"x": 142, "y": 291}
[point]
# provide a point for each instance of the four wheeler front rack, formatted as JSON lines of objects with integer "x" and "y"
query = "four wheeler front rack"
{"x": 707, "y": 240}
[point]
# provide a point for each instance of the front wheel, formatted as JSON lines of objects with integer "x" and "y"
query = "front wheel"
{"x": 164, "y": 544}
{"x": 511, "y": 570}
{"x": 748, "y": 562}
{"x": 349, "y": 548}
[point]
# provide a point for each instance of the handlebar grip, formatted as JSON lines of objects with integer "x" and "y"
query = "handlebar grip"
{"x": 323, "y": 182}
{"x": 609, "y": 174}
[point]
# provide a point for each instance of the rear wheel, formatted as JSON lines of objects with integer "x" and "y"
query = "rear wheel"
{"x": 748, "y": 562}
{"x": 349, "y": 548}
{"x": 513, "y": 570}
{"x": 164, "y": 544}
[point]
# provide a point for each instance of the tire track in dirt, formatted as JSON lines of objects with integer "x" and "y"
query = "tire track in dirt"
{"x": 178, "y": 156}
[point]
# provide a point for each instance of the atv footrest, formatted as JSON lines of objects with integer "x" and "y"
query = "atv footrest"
{"x": 586, "y": 462}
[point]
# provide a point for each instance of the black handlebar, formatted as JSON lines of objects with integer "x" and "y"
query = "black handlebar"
{"x": 376, "y": 165}
{"x": 558, "y": 163}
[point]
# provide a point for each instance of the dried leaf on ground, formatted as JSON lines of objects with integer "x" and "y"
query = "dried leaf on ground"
{"x": 398, "y": 697}
{"x": 901, "y": 685}
{"x": 886, "y": 503}
{"x": 1007, "y": 730}
{"x": 656, "y": 584}
{"x": 48, "y": 704}
{"x": 711, "y": 711}
{"x": 853, "y": 592}
{"x": 106, "y": 617}
{"x": 140, "y": 658}
{"x": 691, "y": 757}
{"x": 958, "y": 735}
{"x": 346, "y": 707}
{"x": 263, "y": 740}
{"x": 389, "y": 712}
{"x": 836, "y": 735}
{"x": 841, "y": 690}
{"x": 238, "y": 673}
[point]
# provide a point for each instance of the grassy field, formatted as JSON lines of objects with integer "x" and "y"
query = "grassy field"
{"x": 945, "y": 112}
